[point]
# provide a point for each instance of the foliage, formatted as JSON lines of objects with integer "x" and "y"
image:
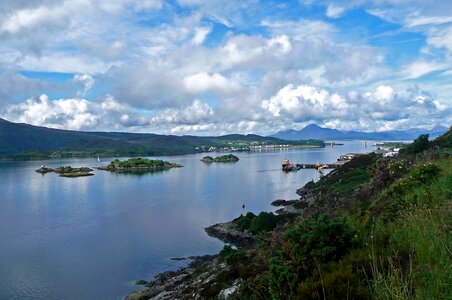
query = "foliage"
{"x": 232, "y": 255}
{"x": 304, "y": 246}
{"x": 137, "y": 163}
{"x": 223, "y": 158}
{"x": 244, "y": 222}
{"x": 420, "y": 144}
{"x": 265, "y": 221}
{"x": 398, "y": 196}
{"x": 420, "y": 242}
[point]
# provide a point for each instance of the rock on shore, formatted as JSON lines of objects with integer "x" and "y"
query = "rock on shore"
{"x": 197, "y": 281}
{"x": 229, "y": 234}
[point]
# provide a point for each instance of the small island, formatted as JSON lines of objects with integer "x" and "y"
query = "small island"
{"x": 223, "y": 158}
{"x": 139, "y": 164}
{"x": 67, "y": 171}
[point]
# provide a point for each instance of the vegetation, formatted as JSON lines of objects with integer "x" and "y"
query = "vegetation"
{"x": 265, "y": 221}
{"x": 139, "y": 164}
{"x": 67, "y": 171}
{"x": 223, "y": 158}
{"x": 420, "y": 144}
{"x": 379, "y": 229}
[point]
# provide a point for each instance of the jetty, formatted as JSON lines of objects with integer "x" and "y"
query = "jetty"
{"x": 287, "y": 166}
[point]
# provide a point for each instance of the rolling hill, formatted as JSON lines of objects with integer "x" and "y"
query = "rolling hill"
{"x": 23, "y": 141}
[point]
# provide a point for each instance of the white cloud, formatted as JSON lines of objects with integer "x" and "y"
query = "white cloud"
{"x": 71, "y": 113}
{"x": 87, "y": 81}
{"x": 200, "y": 35}
{"x": 203, "y": 82}
{"x": 334, "y": 11}
{"x": 420, "y": 68}
{"x": 197, "y": 112}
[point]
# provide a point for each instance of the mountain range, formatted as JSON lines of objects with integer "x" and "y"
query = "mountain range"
{"x": 23, "y": 141}
{"x": 314, "y": 131}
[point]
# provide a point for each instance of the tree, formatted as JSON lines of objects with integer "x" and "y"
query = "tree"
{"x": 418, "y": 145}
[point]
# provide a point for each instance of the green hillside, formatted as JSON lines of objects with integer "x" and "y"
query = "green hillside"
{"x": 22, "y": 141}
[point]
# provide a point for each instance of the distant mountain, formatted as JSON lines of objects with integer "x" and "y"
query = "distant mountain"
{"x": 23, "y": 141}
{"x": 314, "y": 131}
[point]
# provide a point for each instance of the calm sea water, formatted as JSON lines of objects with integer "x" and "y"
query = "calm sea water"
{"x": 92, "y": 237}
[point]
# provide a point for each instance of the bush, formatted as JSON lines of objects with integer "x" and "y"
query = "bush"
{"x": 265, "y": 221}
{"x": 304, "y": 246}
{"x": 244, "y": 222}
{"x": 418, "y": 145}
{"x": 231, "y": 255}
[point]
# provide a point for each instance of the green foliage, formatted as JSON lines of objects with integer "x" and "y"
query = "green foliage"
{"x": 319, "y": 240}
{"x": 419, "y": 239}
{"x": 265, "y": 221}
{"x": 231, "y": 255}
{"x": 400, "y": 194}
{"x": 420, "y": 144}
{"x": 223, "y": 158}
{"x": 444, "y": 141}
{"x": 140, "y": 163}
{"x": 244, "y": 222}
{"x": 226, "y": 158}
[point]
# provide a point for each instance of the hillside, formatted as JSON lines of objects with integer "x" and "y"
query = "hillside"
{"x": 314, "y": 131}
{"x": 376, "y": 228}
{"x": 23, "y": 141}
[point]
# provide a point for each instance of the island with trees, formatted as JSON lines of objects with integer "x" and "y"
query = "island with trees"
{"x": 139, "y": 164}
{"x": 67, "y": 171}
{"x": 221, "y": 159}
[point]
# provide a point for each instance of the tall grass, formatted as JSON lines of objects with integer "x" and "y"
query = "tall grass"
{"x": 418, "y": 263}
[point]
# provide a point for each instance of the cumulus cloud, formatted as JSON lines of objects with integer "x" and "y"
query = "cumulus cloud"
{"x": 258, "y": 72}
{"x": 71, "y": 113}
{"x": 369, "y": 110}
{"x": 86, "y": 80}
{"x": 203, "y": 82}
{"x": 197, "y": 112}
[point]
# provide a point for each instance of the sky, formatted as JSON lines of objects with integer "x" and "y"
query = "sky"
{"x": 233, "y": 66}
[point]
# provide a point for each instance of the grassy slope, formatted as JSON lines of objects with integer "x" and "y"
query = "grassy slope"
{"x": 380, "y": 229}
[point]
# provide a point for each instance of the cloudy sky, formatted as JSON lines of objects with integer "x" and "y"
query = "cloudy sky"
{"x": 213, "y": 67}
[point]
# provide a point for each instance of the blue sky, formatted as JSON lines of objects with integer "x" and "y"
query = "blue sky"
{"x": 214, "y": 67}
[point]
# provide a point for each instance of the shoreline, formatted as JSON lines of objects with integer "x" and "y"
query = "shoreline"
{"x": 199, "y": 277}
{"x": 49, "y": 158}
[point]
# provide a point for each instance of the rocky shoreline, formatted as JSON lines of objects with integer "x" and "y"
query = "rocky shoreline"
{"x": 199, "y": 279}
{"x": 196, "y": 281}
{"x": 227, "y": 233}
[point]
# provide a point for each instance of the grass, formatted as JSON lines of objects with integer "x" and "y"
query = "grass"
{"x": 419, "y": 243}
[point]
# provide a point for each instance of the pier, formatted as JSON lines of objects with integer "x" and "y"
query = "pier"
{"x": 287, "y": 166}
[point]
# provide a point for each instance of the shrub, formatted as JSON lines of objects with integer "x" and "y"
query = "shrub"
{"x": 418, "y": 145}
{"x": 304, "y": 246}
{"x": 231, "y": 255}
{"x": 244, "y": 222}
{"x": 265, "y": 221}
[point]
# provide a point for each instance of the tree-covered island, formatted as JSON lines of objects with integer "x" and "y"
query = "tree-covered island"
{"x": 67, "y": 171}
{"x": 139, "y": 164}
{"x": 222, "y": 158}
